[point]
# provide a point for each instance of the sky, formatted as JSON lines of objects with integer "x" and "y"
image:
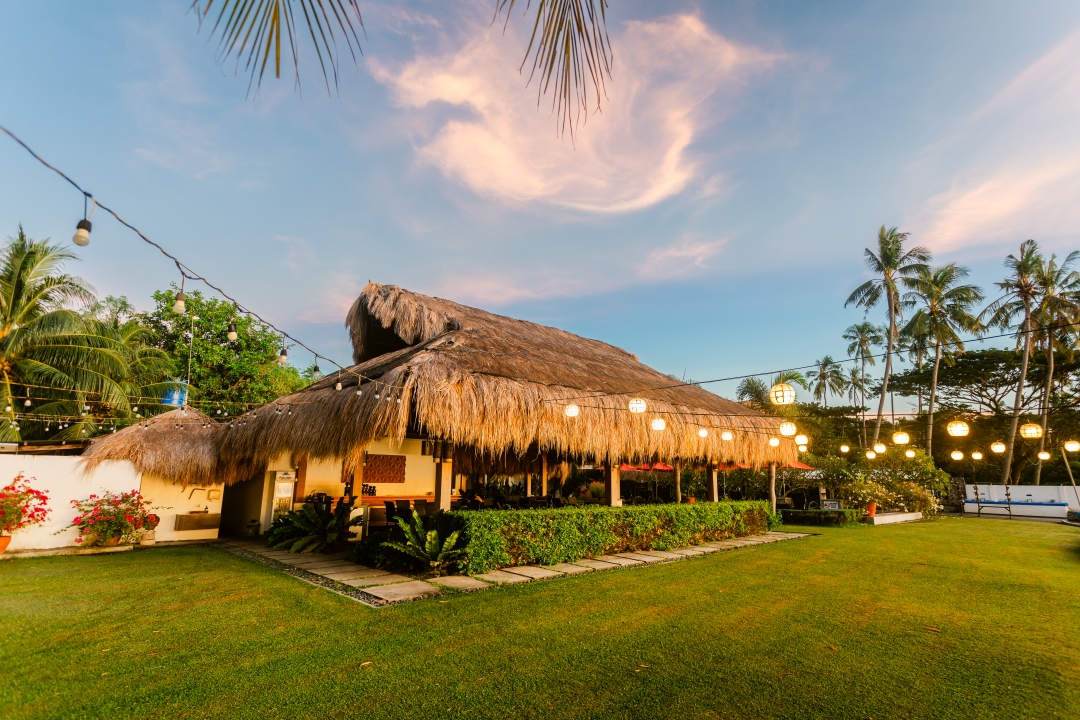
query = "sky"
{"x": 711, "y": 218}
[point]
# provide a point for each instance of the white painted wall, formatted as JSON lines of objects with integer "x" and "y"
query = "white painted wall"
{"x": 1019, "y": 495}
{"x": 62, "y": 479}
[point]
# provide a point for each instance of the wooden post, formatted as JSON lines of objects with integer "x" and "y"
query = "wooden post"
{"x": 678, "y": 480}
{"x": 611, "y": 485}
{"x": 300, "y": 489}
{"x": 710, "y": 479}
{"x": 543, "y": 476}
{"x": 528, "y": 485}
{"x": 443, "y": 472}
{"x": 772, "y": 485}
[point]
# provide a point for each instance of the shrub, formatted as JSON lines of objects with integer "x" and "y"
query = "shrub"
{"x": 110, "y": 516}
{"x": 499, "y": 538}
{"x": 426, "y": 545}
{"x": 21, "y": 506}
{"x": 845, "y": 516}
{"x": 313, "y": 529}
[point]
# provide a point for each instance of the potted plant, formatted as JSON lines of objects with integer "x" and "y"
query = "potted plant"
{"x": 20, "y": 507}
{"x": 108, "y": 519}
{"x": 150, "y": 523}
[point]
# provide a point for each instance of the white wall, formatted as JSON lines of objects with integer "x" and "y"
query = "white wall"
{"x": 1027, "y": 493}
{"x": 62, "y": 479}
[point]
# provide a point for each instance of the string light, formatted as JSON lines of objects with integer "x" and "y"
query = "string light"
{"x": 974, "y": 456}
{"x": 726, "y": 436}
{"x": 1043, "y": 455}
{"x": 880, "y": 448}
{"x": 179, "y": 306}
{"x": 845, "y": 448}
{"x": 659, "y": 424}
{"x": 232, "y": 331}
{"x": 774, "y": 442}
{"x": 956, "y": 455}
{"x": 637, "y": 405}
{"x": 870, "y": 454}
{"x": 702, "y": 432}
{"x": 787, "y": 428}
{"x": 998, "y": 447}
{"x": 909, "y": 453}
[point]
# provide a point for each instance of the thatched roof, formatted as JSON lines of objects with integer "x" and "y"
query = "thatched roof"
{"x": 496, "y": 387}
{"x": 177, "y": 445}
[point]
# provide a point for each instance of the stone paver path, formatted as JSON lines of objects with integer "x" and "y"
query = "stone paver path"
{"x": 378, "y": 588}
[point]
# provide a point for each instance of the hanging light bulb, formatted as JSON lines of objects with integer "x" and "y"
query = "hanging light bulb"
{"x": 26, "y": 403}
{"x": 787, "y": 428}
{"x": 7, "y": 409}
{"x": 316, "y": 374}
{"x": 879, "y": 448}
{"x": 900, "y": 438}
{"x": 998, "y": 447}
{"x": 82, "y": 233}
{"x": 909, "y": 453}
{"x": 702, "y": 432}
{"x": 845, "y": 448}
{"x": 337, "y": 386}
{"x": 976, "y": 455}
{"x": 359, "y": 391}
{"x": 659, "y": 424}
{"x": 802, "y": 440}
{"x": 774, "y": 442}
{"x": 284, "y": 356}
{"x": 232, "y": 331}
{"x": 870, "y": 454}
{"x": 572, "y": 410}
{"x": 1072, "y": 446}
{"x": 956, "y": 455}
{"x": 726, "y": 436}
{"x": 179, "y": 307}
{"x": 637, "y": 405}
{"x": 1044, "y": 455}
{"x": 802, "y": 448}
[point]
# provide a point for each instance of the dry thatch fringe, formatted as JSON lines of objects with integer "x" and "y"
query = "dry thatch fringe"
{"x": 499, "y": 386}
{"x": 184, "y": 454}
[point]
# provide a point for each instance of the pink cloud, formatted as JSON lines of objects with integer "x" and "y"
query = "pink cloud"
{"x": 681, "y": 258}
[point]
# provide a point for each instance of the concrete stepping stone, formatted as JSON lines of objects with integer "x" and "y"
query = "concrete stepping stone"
{"x": 328, "y": 566}
{"x": 402, "y": 592}
{"x": 642, "y": 557}
{"x": 705, "y": 548}
{"x": 464, "y": 583}
{"x": 358, "y": 572}
{"x": 617, "y": 560}
{"x": 568, "y": 569}
{"x": 533, "y": 572}
{"x": 688, "y": 552}
{"x": 503, "y": 578}
{"x": 596, "y": 564}
{"x": 374, "y": 580}
{"x": 662, "y": 554}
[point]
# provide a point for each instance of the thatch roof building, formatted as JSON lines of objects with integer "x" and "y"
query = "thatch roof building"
{"x": 498, "y": 390}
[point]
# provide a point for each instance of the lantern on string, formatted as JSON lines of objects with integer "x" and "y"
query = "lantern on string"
{"x": 787, "y": 428}
{"x": 82, "y": 233}
{"x": 179, "y": 306}
{"x": 900, "y": 438}
{"x": 845, "y": 448}
{"x": 774, "y": 442}
{"x": 726, "y": 436}
{"x": 1031, "y": 431}
{"x": 637, "y": 405}
{"x": 781, "y": 394}
{"x": 702, "y": 433}
{"x": 909, "y": 453}
{"x": 879, "y": 448}
{"x": 316, "y": 374}
{"x": 1044, "y": 455}
{"x": 283, "y": 357}
{"x": 802, "y": 448}
{"x": 976, "y": 455}
{"x": 956, "y": 455}
{"x": 572, "y": 410}
{"x": 958, "y": 428}
{"x": 337, "y": 385}
{"x": 232, "y": 331}
{"x": 659, "y": 424}
{"x": 998, "y": 447}
{"x": 1072, "y": 446}
{"x": 801, "y": 440}
{"x": 870, "y": 454}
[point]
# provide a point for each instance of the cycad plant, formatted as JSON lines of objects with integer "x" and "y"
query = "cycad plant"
{"x": 892, "y": 264}
{"x": 944, "y": 309}
{"x": 313, "y": 528}
{"x": 426, "y": 546}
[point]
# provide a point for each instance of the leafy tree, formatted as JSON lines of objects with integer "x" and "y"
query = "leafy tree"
{"x": 863, "y": 338}
{"x": 892, "y": 264}
{"x": 944, "y": 309}
{"x": 224, "y": 375}
{"x": 827, "y": 377}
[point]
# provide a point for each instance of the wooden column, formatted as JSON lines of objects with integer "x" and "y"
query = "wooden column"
{"x": 528, "y": 485}
{"x": 678, "y": 481}
{"x": 444, "y": 471}
{"x": 300, "y": 489}
{"x": 710, "y": 481}
{"x": 612, "y": 485}
{"x": 772, "y": 485}
{"x": 543, "y": 476}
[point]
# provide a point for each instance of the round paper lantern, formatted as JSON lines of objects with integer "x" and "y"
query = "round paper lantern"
{"x": 774, "y": 442}
{"x": 702, "y": 432}
{"x": 1072, "y": 446}
{"x": 958, "y": 428}
{"x": 998, "y": 447}
{"x": 909, "y": 453}
{"x": 844, "y": 448}
{"x": 637, "y": 405}
{"x": 572, "y": 410}
{"x": 787, "y": 428}
{"x": 1031, "y": 431}
{"x": 900, "y": 438}
{"x": 658, "y": 424}
{"x": 976, "y": 455}
{"x": 879, "y": 448}
{"x": 870, "y": 454}
{"x": 802, "y": 448}
{"x": 726, "y": 436}
{"x": 956, "y": 455}
{"x": 801, "y": 440}
{"x": 1044, "y": 455}
{"x": 782, "y": 394}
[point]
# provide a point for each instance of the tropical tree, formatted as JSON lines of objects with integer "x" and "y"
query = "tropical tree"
{"x": 1020, "y": 296}
{"x": 944, "y": 310}
{"x": 892, "y": 264}
{"x": 569, "y": 44}
{"x": 1057, "y": 312}
{"x": 915, "y": 347}
{"x": 855, "y": 382}
{"x": 827, "y": 377}
{"x": 863, "y": 338}
{"x": 754, "y": 391}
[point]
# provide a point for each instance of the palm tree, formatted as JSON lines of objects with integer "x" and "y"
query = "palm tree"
{"x": 754, "y": 391}
{"x": 569, "y": 44}
{"x": 944, "y": 309}
{"x": 893, "y": 264}
{"x": 1021, "y": 292}
{"x": 1057, "y": 312}
{"x": 51, "y": 360}
{"x": 863, "y": 337}
{"x": 827, "y": 377}
{"x": 855, "y": 382}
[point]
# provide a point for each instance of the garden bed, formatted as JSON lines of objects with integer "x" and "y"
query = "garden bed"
{"x": 821, "y": 517}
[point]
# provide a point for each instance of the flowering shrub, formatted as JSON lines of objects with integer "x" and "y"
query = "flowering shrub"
{"x": 21, "y": 505}
{"x": 109, "y": 516}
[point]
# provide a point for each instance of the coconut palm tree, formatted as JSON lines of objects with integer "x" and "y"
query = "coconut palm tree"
{"x": 855, "y": 382}
{"x": 569, "y": 44}
{"x": 863, "y": 338}
{"x": 892, "y": 264}
{"x": 51, "y": 360}
{"x": 1020, "y": 296}
{"x": 827, "y": 377}
{"x": 944, "y": 310}
{"x": 1056, "y": 314}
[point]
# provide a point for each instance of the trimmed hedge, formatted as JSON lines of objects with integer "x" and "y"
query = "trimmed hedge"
{"x": 821, "y": 517}
{"x": 504, "y": 538}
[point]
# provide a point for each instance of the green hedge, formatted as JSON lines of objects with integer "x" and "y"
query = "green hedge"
{"x": 504, "y": 538}
{"x": 821, "y": 517}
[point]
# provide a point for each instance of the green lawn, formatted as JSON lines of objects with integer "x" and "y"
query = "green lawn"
{"x": 831, "y": 626}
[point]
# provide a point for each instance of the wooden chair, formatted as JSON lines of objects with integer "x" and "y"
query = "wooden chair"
{"x": 421, "y": 506}
{"x": 391, "y": 511}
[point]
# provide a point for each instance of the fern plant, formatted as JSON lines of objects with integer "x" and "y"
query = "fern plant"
{"x": 311, "y": 529}
{"x": 425, "y": 546}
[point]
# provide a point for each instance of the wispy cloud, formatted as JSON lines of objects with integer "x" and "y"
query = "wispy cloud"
{"x": 1017, "y": 172}
{"x": 630, "y": 156}
{"x": 684, "y": 257}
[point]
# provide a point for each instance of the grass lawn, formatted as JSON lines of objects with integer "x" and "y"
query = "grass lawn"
{"x": 825, "y": 627}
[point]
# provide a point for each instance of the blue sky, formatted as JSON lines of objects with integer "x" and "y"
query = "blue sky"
{"x": 711, "y": 219}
